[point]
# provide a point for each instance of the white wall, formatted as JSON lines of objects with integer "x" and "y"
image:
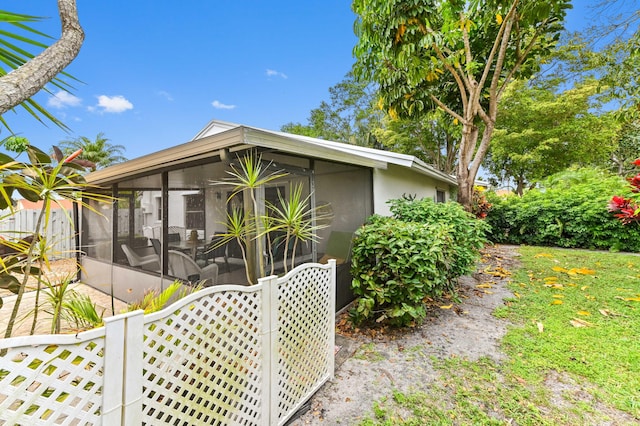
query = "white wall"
{"x": 129, "y": 285}
{"x": 396, "y": 181}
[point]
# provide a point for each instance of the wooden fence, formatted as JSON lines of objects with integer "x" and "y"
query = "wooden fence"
{"x": 226, "y": 355}
{"x": 60, "y": 232}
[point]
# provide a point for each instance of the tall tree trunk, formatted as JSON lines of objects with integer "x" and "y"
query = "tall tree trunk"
{"x": 465, "y": 175}
{"x": 25, "y": 81}
{"x": 520, "y": 186}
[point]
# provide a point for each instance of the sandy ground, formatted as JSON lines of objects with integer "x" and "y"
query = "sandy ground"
{"x": 402, "y": 360}
{"x": 60, "y": 269}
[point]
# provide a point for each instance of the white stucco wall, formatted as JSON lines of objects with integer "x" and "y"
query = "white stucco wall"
{"x": 395, "y": 181}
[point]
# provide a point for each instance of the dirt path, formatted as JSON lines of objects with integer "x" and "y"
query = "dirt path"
{"x": 401, "y": 360}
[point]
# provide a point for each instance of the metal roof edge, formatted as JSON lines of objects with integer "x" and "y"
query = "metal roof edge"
{"x": 375, "y": 156}
{"x": 178, "y": 154}
{"x": 231, "y": 134}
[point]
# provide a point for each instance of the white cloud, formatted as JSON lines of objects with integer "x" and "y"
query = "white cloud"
{"x": 63, "y": 99}
{"x": 219, "y": 105}
{"x": 165, "y": 95}
{"x": 274, "y": 73}
{"x": 115, "y": 104}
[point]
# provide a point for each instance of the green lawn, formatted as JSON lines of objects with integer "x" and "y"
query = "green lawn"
{"x": 573, "y": 352}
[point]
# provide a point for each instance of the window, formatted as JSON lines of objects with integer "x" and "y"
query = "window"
{"x": 158, "y": 208}
{"x": 441, "y": 196}
{"x": 194, "y": 211}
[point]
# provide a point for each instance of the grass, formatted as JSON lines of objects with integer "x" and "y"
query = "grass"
{"x": 573, "y": 352}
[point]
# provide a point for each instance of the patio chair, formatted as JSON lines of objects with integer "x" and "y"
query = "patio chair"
{"x": 150, "y": 262}
{"x": 178, "y": 232}
{"x": 215, "y": 250}
{"x": 157, "y": 246}
{"x": 338, "y": 247}
{"x": 184, "y": 267}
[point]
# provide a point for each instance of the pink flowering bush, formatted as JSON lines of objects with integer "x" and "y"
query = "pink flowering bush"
{"x": 627, "y": 209}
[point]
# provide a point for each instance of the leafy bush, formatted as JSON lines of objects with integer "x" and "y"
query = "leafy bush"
{"x": 569, "y": 210}
{"x": 398, "y": 262}
{"x": 468, "y": 233}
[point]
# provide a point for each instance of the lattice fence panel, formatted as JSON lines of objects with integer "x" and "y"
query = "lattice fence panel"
{"x": 305, "y": 331}
{"x": 203, "y": 363}
{"x": 52, "y": 383}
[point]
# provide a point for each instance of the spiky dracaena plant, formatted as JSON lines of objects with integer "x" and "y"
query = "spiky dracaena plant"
{"x": 44, "y": 179}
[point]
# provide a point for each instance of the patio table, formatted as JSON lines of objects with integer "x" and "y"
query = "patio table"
{"x": 188, "y": 246}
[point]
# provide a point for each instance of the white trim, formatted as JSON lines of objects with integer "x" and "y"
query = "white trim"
{"x": 219, "y": 135}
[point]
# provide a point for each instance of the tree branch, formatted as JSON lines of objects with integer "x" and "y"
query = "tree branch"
{"x": 496, "y": 44}
{"x": 504, "y": 43}
{"x": 522, "y": 57}
{"x": 25, "y": 81}
{"x": 467, "y": 45}
{"x": 447, "y": 109}
{"x": 456, "y": 77}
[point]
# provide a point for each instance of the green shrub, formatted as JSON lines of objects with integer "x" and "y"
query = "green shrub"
{"x": 569, "y": 210}
{"x": 398, "y": 262}
{"x": 468, "y": 233}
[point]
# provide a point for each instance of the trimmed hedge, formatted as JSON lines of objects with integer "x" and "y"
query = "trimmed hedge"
{"x": 399, "y": 262}
{"x": 570, "y": 210}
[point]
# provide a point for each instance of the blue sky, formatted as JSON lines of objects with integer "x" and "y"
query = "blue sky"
{"x": 155, "y": 72}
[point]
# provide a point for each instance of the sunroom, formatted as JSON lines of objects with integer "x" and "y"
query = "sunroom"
{"x": 173, "y": 209}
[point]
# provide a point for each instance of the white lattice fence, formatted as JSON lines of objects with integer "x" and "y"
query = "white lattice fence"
{"x": 226, "y": 355}
{"x": 204, "y": 363}
{"x": 234, "y": 355}
{"x": 60, "y": 379}
{"x": 305, "y": 339}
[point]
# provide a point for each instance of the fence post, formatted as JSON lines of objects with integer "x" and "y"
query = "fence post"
{"x": 133, "y": 375}
{"x": 122, "y": 387}
{"x": 270, "y": 347}
{"x": 113, "y": 372}
{"x": 332, "y": 318}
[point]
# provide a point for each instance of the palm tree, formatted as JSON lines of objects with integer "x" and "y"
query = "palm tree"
{"x": 99, "y": 151}
{"x": 23, "y": 73}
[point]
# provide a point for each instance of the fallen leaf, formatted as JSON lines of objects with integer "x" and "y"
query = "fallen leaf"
{"x": 543, "y": 255}
{"x": 557, "y": 286}
{"x": 604, "y": 312}
{"x": 516, "y": 295}
{"x": 584, "y": 287}
{"x": 578, "y": 323}
{"x": 556, "y": 302}
{"x": 584, "y": 313}
{"x": 540, "y": 327}
{"x": 487, "y": 285}
{"x": 583, "y": 271}
{"x": 552, "y": 278}
{"x": 559, "y": 269}
{"x": 558, "y": 296}
{"x": 632, "y": 299}
{"x": 446, "y": 307}
{"x": 497, "y": 272}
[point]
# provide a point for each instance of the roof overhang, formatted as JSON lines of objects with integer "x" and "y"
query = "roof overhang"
{"x": 218, "y": 137}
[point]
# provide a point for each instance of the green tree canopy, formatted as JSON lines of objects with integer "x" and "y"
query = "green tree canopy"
{"x": 98, "y": 151}
{"x": 542, "y": 130}
{"x": 455, "y": 55}
{"x": 432, "y": 137}
{"x": 349, "y": 117}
